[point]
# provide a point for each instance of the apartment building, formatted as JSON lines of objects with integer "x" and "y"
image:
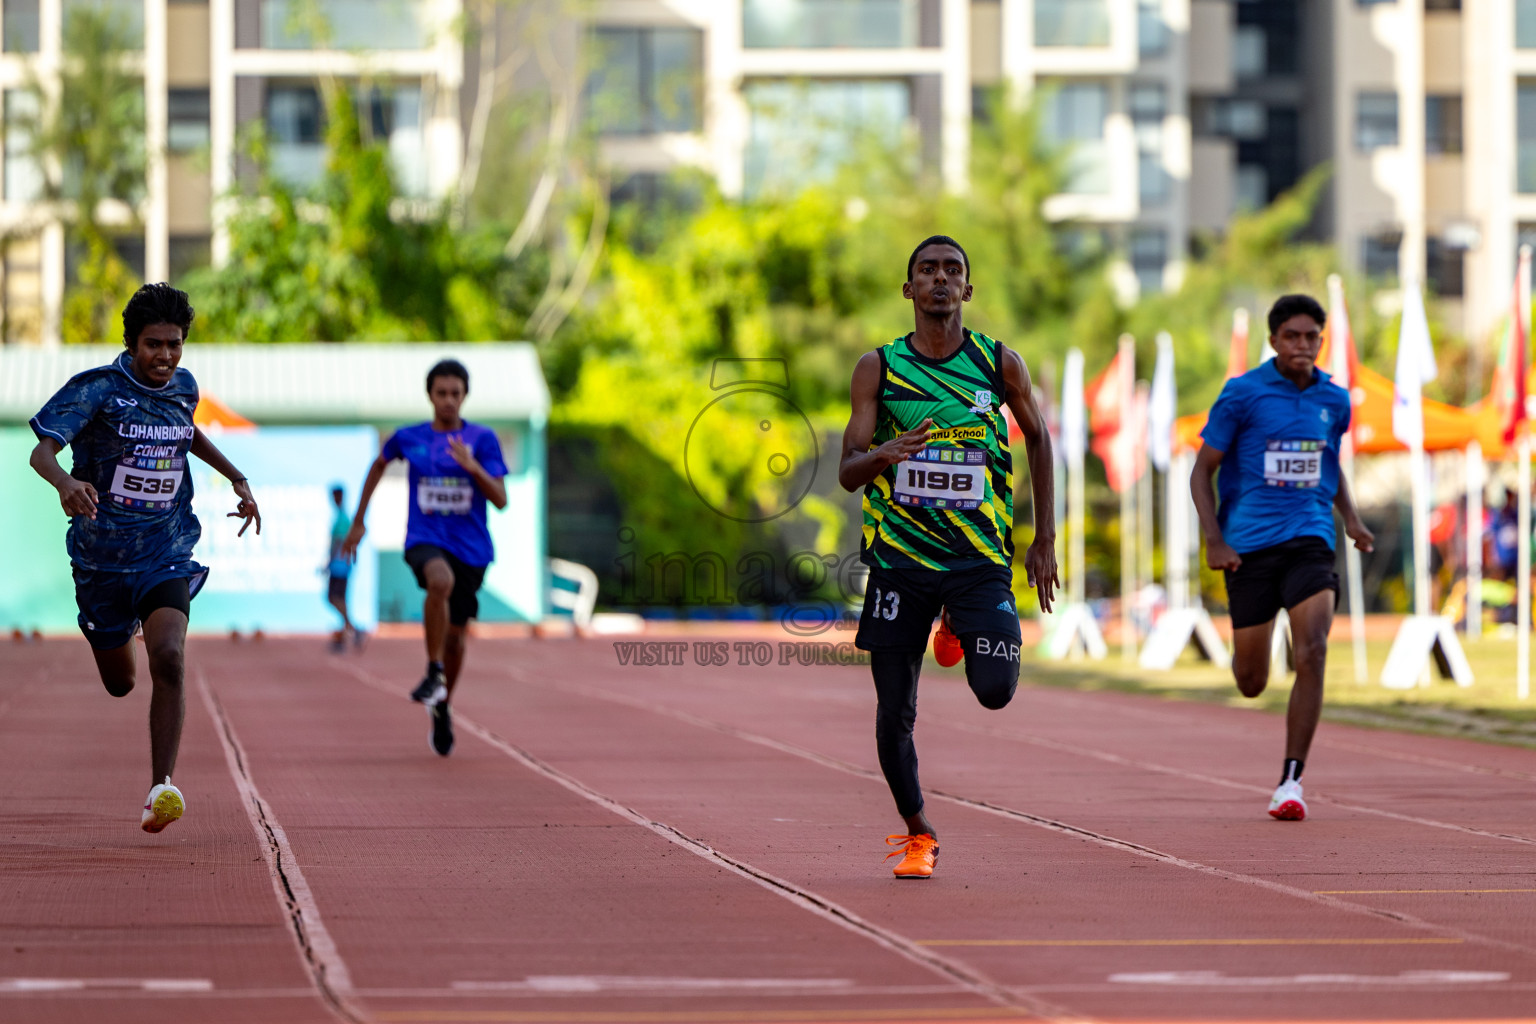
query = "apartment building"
{"x": 210, "y": 69}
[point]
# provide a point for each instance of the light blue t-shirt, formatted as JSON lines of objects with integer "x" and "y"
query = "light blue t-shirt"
{"x": 1280, "y": 470}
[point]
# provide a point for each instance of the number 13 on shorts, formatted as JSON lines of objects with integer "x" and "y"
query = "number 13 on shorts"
{"x": 885, "y": 604}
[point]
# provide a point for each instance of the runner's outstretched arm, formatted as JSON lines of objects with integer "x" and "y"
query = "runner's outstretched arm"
{"x": 860, "y": 465}
{"x": 76, "y": 496}
{"x": 1040, "y": 559}
{"x": 247, "y": 510}
{"x": 1354, "y": 527}
{"x": 355, "y": 535}
{"x": 1218, "y": 553}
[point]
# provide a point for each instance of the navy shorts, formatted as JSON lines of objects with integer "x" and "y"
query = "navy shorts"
{"x": 901, "y": 604}
{"x": 109, "y": 601}
{"x": 464, "y": 600}
{"x": 1280, "y": 576}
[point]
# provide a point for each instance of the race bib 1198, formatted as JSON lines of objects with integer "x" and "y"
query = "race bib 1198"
{"x": 445, "y": 495}
{"x": 942, "y": 478}
{"x": 1293, "y": 463}
{"x": 147, "y": 485}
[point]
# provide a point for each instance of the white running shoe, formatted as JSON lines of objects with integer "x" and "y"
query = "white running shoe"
{"x": 1287, "y": 804}
{"x": 163, "y": 806}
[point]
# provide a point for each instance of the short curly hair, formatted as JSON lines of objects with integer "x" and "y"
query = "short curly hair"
{"x": 156, "y": 304}
{"x": 1287, "y": 306}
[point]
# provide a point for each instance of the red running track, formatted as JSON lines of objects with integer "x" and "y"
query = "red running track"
{"x": 611, "y": 843}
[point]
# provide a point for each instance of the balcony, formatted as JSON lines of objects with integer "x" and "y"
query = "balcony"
{"x": 814, "y": 24}
{"x": 345, "y": 25}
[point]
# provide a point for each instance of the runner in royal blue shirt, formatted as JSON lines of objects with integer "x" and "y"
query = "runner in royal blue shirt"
{"x": 455, "y": 467}
{"x": 1275, "y": 434}
{"x": 129, "y": 499}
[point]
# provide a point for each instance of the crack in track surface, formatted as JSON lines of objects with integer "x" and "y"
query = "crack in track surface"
{"x": 1064, "y": 828}
{"x": 317, "y": 950}
{"x": 958, "y": 973}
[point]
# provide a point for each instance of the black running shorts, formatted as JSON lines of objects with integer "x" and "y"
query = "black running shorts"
{"x": 901, "y": 604}
{"x": 1280, "y": 576}
{"x": 464, "y": 600}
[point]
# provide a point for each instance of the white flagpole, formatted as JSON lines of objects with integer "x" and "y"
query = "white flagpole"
{"x": 1523, "y": 511}
{"x": 1072, "y": 441}
{"x": 1145, "y": 505}
{"x": 1123, "y": 449}
{"x": 1352, "y": 570}
{"x": 1475, "y": 481}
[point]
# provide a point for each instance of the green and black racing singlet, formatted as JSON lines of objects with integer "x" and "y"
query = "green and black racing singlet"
{"x": 949, "y": 505}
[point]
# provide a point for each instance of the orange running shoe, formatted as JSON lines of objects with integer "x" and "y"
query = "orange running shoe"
{"x": 920, "y": 852}
{"x": 946, "y": 646}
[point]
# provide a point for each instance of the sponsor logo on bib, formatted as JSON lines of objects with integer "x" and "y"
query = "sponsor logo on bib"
{"x": 942, "y": 478}
{"x": 1293, "y": 463}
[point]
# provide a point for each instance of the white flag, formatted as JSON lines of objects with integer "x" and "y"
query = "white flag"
{"x": 1074, "y": 425}
{"x": 1161, "y": 405}
{"x": 1415, "y": 368}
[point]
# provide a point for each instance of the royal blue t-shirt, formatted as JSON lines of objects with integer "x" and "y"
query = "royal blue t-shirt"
{"x": 129, "y": 441}
{"x": 1280, "y": 472}
{"x": 447, "y": 509}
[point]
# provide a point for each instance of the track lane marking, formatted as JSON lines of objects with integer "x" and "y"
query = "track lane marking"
{"x": 317, "y": 950}
{"x": 1374, "y": 892}
{"x": 1051, "y": 943}
{"x": 1049, "y": 824}
{"x": 960, "y": 974}
{"x": 1152, "y": 766}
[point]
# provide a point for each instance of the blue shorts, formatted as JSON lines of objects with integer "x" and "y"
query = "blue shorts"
{"x": 108, "y": 601}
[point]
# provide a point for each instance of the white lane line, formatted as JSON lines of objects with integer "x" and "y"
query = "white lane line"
{"x": 1407, "y": 920}
{"x": 1162, "y": 769}
{"x": 317, "y": 950}
{"x": 959, "y": 973}
{"x": 29, "y": 986}
{"x": 576, "y": 984}
{"x": 1215, "y": 979}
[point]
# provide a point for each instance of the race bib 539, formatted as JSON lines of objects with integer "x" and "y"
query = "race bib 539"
{"x": 445, "y": 495}
{"x": 942, "y": 478}
{"x": 1293, "y": 463}
{"x": 146, "y": 485}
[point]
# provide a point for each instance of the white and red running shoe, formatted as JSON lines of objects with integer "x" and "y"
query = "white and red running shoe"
{"x": 1287, "y": 804}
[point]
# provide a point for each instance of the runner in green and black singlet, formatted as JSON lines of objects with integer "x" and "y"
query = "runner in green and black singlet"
{"x": 950, "y": 506}
{"x": 928, "y": 443}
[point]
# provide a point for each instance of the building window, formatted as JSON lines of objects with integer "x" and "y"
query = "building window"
{"x": 1071, "y": 22}
{"x": 1149, "y": 105}
{"x": 18, "y": 19}
{"x": 1443, "y": 268}
{"x": 1074, "y": 119}
{"x": 1151, "y": 29}
{"x": 1373, "y": 3}
{"x": 295, "y": 134}
{"x": 646, "y": 80}
{"x": 187, "y": 117}
{"x": 1525, "y": 24}
{"x": 23, "y": 291}
{"x": 803, "y": 131}
{"x": 23, "y": 172}
{"x": 1442, "y": 5}
{"x": 128, "y": 15}
{"x": 1378, "y": 254}
{"x": 1525, "y": 136}
{"x": 344, "y": 25}
{"x": 1375, "y": 120}
{"x": 1250, "y": 51}
{"x": 1149, "y": 254}
{"x": 1442, "y": 124}
{"x": 1250, "y": 188}
{"x": 811, "y": 24}
{"x": 1228, "y": 118}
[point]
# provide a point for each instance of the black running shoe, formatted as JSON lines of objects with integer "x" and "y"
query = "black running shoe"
{"x": 442, "y": 728}
{"x": 431, "y": 690}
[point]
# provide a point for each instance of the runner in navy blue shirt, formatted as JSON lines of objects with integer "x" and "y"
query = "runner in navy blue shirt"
{"x": 129, "y": 499}
{"x": 455, "y": 467}
{"x": 1275, "y": 434}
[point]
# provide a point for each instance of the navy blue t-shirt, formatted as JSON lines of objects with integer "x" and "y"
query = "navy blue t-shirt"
{"x": 129, "y": 441}
{"x": 447, "y": 509}
{"x": 1280, "y": 470}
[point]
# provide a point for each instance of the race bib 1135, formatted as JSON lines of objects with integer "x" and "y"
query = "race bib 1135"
{"x": 1293, "y": 463}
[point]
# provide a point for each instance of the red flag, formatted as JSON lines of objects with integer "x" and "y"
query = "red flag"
{"x": 1117, "y": 424}
{"x": 1237, "y": 353}
{"x": 1509, "y": 377}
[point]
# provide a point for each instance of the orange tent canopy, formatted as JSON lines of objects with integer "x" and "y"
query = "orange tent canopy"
{"x": 211, "y": 412}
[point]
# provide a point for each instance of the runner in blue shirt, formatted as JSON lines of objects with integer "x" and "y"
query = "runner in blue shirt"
{"x": 1275, "y": 433}
{"x": 129, "y": 499}
{"x": 455, "y": 467}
